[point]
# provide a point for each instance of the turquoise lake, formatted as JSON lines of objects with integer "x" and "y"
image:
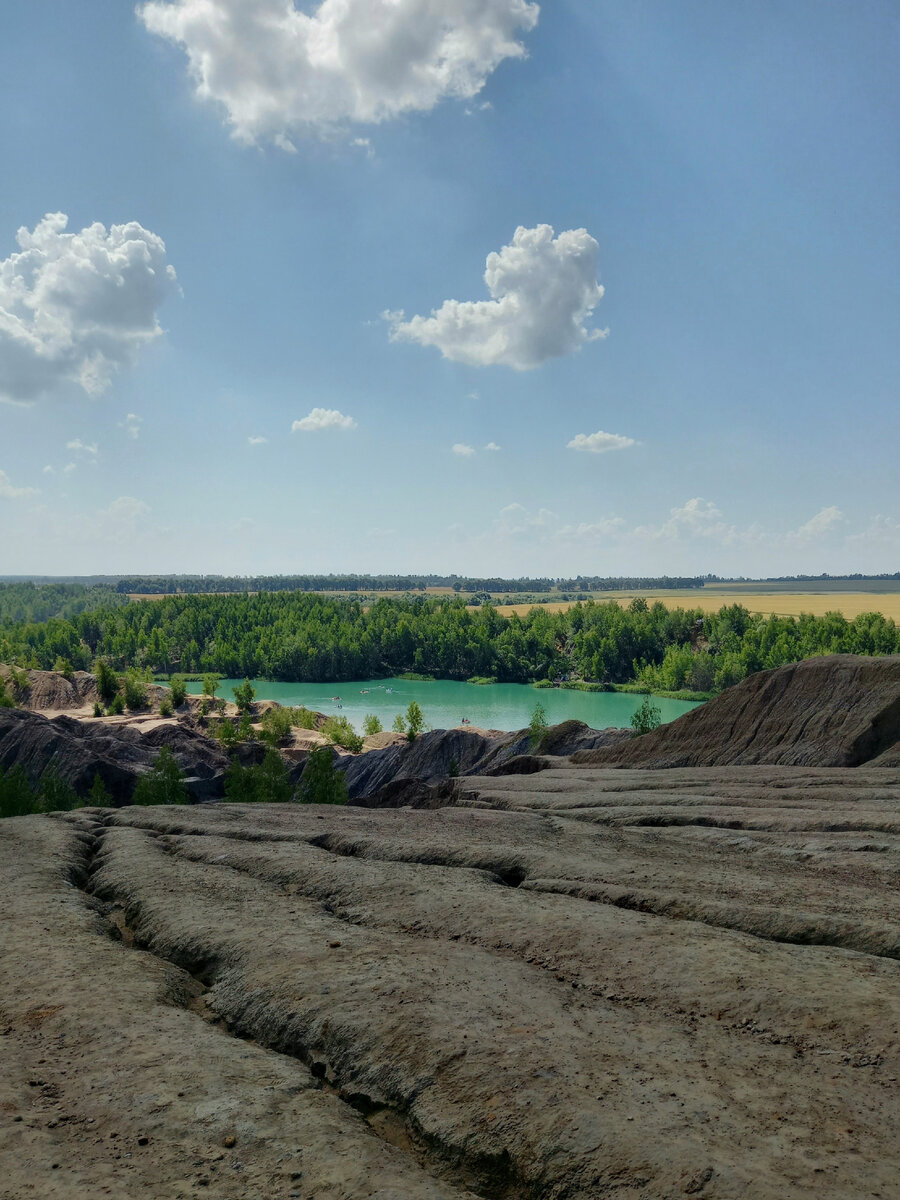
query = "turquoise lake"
{"x": 444, "y": 702}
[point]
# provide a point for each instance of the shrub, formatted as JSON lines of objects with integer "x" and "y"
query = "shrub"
{"x": 165, "y": 707}
{"x": 135, "y": 691}
{"x": 537, "y": 727}
{"x": 224, "y": 732}
{"x": 163, "y": 783}
{"x": 276, "y": 726}
{"x": 6, "y": 701}
{"x": 415, "y": 721}
{"x": 17, "y": 797}
{"x": 303, "y": 718}
{"x": 179, "y": 690}
{"x": 98, "y": 796}
{"x": 117, "y": 706}
{"x": 244, "y": 695}
{"x": 63, "y": 666}
{"x": 245, "y": 730}
{"x": 320, "y": 782}
{"x": 341, "y": 732}
{"x": 371, "y": 724}
{"x": 399, "y": 725}
{"x": 211, "y": 685}
{"x": 646, "y": 717}
{"x": 56, "y": 793}
{"x": 107, "y": 681}
{"x": 98, "y": 709}
{"x": 263, "y": 783}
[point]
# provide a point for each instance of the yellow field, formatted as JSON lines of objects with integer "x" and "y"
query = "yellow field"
{"x": 784, "y": 604}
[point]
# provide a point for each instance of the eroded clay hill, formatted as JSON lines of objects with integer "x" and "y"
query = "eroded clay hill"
{"x": 842, "y": 710}
{"x": 580, "y": 983}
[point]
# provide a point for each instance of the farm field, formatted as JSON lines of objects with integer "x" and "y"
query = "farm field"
{"x": 711, "y": 599}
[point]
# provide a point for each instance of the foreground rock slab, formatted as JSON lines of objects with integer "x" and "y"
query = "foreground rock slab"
{"x": 574, "y": 984}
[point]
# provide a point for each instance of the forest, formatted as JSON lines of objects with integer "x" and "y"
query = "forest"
{"x": 304, "y": 637}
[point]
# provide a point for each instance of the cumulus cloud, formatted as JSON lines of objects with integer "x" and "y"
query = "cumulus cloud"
{"x": 462, "y": 449}
{"x": 132, "y": 425}
{"x": 695, "y": 518}
{"x": 592, "y": 531}
{"x": 77, "y": 306}
{"x": 599, "y": 442}
{"x": 515, "y": 520}
{"x": 8, "y": 492}
{"x": 261, "y": 441}
{"x": 323, "y": 418}
{"x": 278, "y": 70}
{"x": 492, "y": 446}
{"x": 91, "y": 449}
{"x": 823, "y": 522}
{"x": 543, "y": 291}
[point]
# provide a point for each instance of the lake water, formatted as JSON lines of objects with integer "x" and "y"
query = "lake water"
{"x": 444, "y": 702}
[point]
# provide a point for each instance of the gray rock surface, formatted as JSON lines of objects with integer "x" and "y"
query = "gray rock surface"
{"x": 119, "y": 754}
{"x": 576, "y": 983}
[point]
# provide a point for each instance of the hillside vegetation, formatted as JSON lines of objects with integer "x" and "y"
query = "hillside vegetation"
{"x": 304, "y": 637}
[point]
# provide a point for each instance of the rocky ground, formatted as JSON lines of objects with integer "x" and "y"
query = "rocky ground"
{"x": 579, "y": 983}
{"x": 568, "y": 980}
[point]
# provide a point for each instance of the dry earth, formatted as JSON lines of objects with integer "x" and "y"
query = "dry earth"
{"x": 586, "y": 982}
{"x": 782, "y": 604}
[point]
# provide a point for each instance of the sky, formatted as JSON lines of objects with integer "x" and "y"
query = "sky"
{"x": 599, "y": 287}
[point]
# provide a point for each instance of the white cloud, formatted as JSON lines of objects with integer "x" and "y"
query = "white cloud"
{"x": 69, "y": 468}
{"x": 695, "y": 518}
{"x": 91, "y": 449}
{"x": 280, "y": 68}
{"x": 48, "y": 470}
{"x": 261, "y": 441}
{"x": 77, "y": 306}
{"x": 462, "y": 449}
{"x": 599, "y": 442}
{"x": 543, "y": 288}
{"x": 323, "y": 418}
{"x": 823, "y": 522}
{"x": 132, "y": 425}
{"x": 8, "y": 492}
{"x": 515, "y": 520}
{"x": 601, "y": 530}
{"x": 492, "y": 446}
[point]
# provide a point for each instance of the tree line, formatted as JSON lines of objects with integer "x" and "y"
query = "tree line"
{"x": 304, "y": 637}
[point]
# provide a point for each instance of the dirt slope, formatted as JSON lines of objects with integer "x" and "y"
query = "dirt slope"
{"x": 841, "y": 711}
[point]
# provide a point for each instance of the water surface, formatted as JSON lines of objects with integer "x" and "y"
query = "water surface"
{"x": 444, "y": 702}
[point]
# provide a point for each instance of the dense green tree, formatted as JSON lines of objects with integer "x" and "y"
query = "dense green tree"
{"x": 320, "y": 782}
{"x": 261, "y": 783}
{"x": 244, "y": 695}
{"x": 415, "y": 721}
{"x": 178, "y": 687}
{"x": 108, "y": 682}
{"x": 371, "y": 724}
{"x": 163, "y": 783}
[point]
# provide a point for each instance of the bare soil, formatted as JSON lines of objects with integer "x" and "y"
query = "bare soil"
{"x": 580, "y": 983}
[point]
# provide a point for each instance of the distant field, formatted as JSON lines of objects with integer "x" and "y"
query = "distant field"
{"x": 711, "y": 599}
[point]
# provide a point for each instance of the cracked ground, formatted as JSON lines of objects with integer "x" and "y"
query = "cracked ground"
{"x": 578, "y": 984}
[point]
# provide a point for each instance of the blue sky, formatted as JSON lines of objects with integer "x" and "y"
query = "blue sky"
{"x": 729, "y": 173}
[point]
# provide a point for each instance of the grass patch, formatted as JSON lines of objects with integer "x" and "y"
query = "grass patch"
{"x": 640, "y": 689}
{"x": 415, "y": 677}
{"x": 482, "y": 680}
